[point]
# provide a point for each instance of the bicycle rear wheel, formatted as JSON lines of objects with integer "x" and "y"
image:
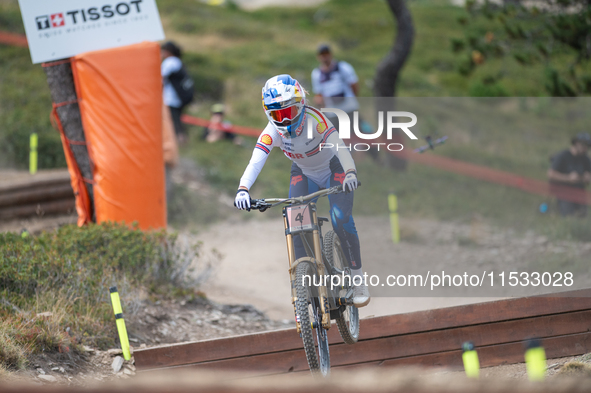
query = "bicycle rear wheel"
{"x": 310, "y": 318}
{"x": 348, "y": 320}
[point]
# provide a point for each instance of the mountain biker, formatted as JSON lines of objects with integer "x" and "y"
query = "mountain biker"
{"x": 314, "y": 165}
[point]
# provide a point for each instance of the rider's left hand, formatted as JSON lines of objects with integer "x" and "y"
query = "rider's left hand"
{"x": 350, "y": 182}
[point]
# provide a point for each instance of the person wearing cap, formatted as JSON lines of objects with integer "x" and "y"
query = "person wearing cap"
{"x": 171, "y": 65}
{"x": 219, "y": 129}
{"x": 334, "y": 84}
{"x": 572, "y": 168}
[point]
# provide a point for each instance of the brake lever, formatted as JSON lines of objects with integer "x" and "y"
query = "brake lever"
{"x": 254, "y": 204}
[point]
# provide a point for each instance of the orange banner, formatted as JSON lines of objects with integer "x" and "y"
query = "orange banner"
{"x": 120, "y": 97}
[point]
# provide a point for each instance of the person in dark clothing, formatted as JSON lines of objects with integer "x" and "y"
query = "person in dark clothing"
{"x": 171, "y": 66}
{"x": 572, "y": 168}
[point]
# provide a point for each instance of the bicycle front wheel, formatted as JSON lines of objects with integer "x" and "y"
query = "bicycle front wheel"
{"x": 309, "y": 315}
{"x": 348, "y": 319}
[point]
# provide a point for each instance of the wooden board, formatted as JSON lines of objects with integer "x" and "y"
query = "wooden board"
{"x": 15, "y": 181}
{"x": 501, "y": 343}
{"x": 60, "y": 206}
{"x": 479, "y": 323}
{"x": 37, "y": 195}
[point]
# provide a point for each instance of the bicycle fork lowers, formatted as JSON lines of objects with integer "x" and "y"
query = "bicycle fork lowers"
{"x": 303, "y": 220}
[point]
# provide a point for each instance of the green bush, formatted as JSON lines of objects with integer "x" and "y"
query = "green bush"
{"x": 481, "y": 89}
{"x": 73, "y": 268}
{"x": 85, "y": 260}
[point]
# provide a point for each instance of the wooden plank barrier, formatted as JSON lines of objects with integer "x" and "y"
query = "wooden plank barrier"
{"x": 426, "y": 338}
{"x": 47, "y": 192}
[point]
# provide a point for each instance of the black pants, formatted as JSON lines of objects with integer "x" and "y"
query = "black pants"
{"x": 567, "y": 208}
{"x": 175, "y": 114}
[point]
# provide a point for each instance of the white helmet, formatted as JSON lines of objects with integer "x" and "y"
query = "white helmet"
{"x": 284, "y": 101}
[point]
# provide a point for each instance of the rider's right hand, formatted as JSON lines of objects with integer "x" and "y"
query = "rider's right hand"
{"x": 242, "y": 200}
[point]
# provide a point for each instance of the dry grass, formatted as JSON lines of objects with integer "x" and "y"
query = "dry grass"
{"x": 575, "y": 369}
{"x": 26, "y": 333}
{"x": 12, "y": 354}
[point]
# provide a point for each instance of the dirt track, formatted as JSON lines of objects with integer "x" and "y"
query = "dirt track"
{"x": 254, "y": 267}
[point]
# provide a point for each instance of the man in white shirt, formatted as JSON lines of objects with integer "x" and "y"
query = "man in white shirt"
{"x": 334, "y": 84}
{"x": 171, "y": 64}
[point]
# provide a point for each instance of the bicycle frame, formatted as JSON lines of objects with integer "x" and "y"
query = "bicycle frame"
{"x": 311, "y": 227}
{"x": 314, "y": 304}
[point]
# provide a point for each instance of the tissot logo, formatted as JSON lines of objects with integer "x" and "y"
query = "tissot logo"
{"x": 75, "y": 17}
{"x": 57, "y": 20}
{"x": 42, "y": 22}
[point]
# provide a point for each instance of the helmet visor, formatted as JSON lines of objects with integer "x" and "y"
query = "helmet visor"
{"x": 290, "y": 113}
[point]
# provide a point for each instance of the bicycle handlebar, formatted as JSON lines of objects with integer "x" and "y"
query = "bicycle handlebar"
{"x": 263, "y": 204}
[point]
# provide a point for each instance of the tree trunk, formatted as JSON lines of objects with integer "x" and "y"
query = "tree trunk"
{"x": 390, "y": 66}
{"x": 63, "y": 90}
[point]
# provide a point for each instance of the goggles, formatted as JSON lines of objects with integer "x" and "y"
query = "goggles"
{"x": 289, "y": 113}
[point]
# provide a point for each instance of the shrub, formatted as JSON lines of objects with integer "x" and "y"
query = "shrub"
{"x": 66, "y": 275}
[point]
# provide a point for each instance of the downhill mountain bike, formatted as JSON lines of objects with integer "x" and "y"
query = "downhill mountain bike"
{"x": 321, "y": 286}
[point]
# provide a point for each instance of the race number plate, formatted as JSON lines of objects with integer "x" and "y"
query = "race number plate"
{"x": 299, "y": 218}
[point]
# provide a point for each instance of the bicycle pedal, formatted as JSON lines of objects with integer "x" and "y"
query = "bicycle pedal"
{"x": 314, "y": 325}
{"x": 344, "y": 301}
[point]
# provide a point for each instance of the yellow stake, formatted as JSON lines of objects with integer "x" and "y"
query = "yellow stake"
{"x": 33, "y": 154}
{"x": 470, "y": 359}
{"x": 393, "y": 205}
{"x": 535, "y": 361}
{"x": 116, "y": 302}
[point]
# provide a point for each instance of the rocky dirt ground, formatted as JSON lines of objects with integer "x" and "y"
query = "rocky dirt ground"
{"x": 154, "y": 323}
{"x": 166, "y": 322}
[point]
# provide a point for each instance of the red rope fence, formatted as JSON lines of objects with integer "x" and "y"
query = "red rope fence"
{"x": 13, "y": 39}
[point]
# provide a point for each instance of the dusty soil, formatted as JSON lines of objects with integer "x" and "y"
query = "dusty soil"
{"x": 166, "y": 322}
{"x": 152, "y": 324}
{"x": 254, "y": 264}
{"x": 36, "y": 225}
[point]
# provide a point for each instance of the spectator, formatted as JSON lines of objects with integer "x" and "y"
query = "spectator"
{"x": 170, "y": 150}
{"x": 178, "y": 86}
{"x": 334, "y": 84}
{"x": 572, "y": 168}
{"x": 218, "y": 126}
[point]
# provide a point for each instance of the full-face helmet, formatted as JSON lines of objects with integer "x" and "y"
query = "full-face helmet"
{"x": 284, "y": 101}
